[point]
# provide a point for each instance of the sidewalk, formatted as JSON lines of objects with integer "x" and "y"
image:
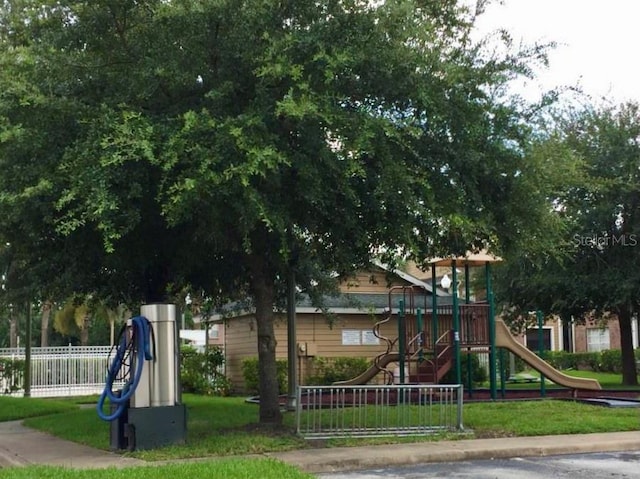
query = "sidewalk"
{"x": 20, "y": 446}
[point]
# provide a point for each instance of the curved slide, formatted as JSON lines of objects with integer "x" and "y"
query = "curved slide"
{"x": 504, "y": 339}
{"x": 371, "y": 371}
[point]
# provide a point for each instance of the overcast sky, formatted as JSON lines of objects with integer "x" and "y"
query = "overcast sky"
{"x": 598, "y": 42}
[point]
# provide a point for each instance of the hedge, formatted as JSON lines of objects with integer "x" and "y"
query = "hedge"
{"x": 199, "y": 372}
{"x": 251, "y": 375}
{"x": 327, "y": 371}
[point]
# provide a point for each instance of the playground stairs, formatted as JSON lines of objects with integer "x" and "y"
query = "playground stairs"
{"x": 432, "y": 370}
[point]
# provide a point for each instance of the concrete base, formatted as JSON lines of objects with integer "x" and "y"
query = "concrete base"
{"x": 152, "y": 427}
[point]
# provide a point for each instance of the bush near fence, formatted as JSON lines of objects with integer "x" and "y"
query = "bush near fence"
{"x": 479, "y": 374}
{"x": 252, "y": 377}
{"x": 201, "y": 373}
{"x": 327, "y": 371}
{"x": 11, "y": 375}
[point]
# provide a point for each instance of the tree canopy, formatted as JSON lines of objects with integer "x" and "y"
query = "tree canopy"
{"x": 593, "y": 268}
{"x": 221, "y": 143}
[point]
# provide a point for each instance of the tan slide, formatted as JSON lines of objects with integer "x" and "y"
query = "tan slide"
{"x": 504, "y": 339}
{"x": 371, "y": 372}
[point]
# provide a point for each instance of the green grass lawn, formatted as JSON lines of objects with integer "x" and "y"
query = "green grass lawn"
{"x": 19, "y": 408}
{"x": 549, "y": 416}
{"x": 229, "y": 468}
{"x": 216, "y": 426}
{"x": 606, "y": 380}
{"x": 226, "y": 426}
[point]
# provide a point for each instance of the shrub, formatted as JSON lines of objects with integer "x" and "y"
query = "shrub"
{"x": 326, "y": 371}
{"x": 587, "y": 361}
{"x": 561, "y": 359}
{"x": 11, "y": 375}
{"x": 504, "y": 361}
{"x": 611, "y": 361}
{"x": 251, "y": 375}
{"x": 478, "y": 373}
{"x": 200, "y": 372}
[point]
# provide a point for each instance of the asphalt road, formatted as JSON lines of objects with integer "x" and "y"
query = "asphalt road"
{"x": 577, "y": 466}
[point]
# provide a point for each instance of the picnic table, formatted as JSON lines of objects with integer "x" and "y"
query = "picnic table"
{"x": 523, "y": 378}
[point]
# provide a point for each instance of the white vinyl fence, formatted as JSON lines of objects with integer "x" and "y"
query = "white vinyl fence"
{"x": 60, "y": 371}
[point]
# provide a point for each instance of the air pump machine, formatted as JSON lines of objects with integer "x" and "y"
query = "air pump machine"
{"x": 148, "y": 411}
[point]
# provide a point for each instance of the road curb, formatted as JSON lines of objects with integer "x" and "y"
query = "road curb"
{"x": 372, "y": 457}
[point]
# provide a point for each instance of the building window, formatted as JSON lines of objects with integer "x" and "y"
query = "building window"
{"x": 533, "y": 339}
{"x": 213, "y": 332}
{"x": 597, "y": 339}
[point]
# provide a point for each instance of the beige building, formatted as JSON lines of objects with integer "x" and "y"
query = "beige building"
{"x": 348, "y": 332}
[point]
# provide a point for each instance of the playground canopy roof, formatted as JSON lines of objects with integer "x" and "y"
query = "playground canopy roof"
{"x": 470, "y": 259}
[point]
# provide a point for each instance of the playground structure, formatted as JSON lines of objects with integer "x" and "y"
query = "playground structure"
{"x": 147, "y": 412}
{"x": 431, "y": 336}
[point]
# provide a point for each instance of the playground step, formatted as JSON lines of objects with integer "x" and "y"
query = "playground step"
{"x": 421, "y": 379}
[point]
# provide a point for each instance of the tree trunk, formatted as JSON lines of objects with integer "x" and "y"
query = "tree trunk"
{"x": 13, "y": 330}
{"x": 84, "y": 332}
{"x": 44, "y": 323}
{"x": 112, "y": 330}
{"x": 629, "y": 373}
{"x": 263, "y": 289}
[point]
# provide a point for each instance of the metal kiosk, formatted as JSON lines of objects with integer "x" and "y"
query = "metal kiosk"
{"x": 148, "y": 412}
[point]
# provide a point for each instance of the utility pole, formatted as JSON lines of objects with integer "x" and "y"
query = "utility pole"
{"x": 27, "y": 354}
{"x": 292, "y": 347}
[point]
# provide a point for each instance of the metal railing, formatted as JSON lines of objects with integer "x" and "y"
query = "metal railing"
{"x": 473, "y": 323}
{"x": 61, "y": 371}
{"x": 325, "y": 412}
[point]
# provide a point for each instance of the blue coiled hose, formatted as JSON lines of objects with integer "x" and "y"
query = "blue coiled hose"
{"x": 141, "y": 339}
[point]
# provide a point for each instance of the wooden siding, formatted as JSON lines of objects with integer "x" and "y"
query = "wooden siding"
{"x": 312, "y": 330}
{"x": 316, "y": 334}
{"x": 241, "y": 341}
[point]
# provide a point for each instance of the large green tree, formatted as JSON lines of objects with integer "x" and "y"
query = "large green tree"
{"x": 224, "y": 143}
{"x": 594, "y": 267}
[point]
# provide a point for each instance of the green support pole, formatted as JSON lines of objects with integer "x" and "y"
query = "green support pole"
{"x": 467, "y": 331}
{"x": 434, "y": 309}
{"x": 492, "y": 333}
{"x": 503, "y": 379}
{"x": 456, "y": 324}
{"x": 540, "y": 318}
{"x": 469, "y": 374}
{"x": 401, "y": 339}
{"x": 292, "y": 346}
{"x": 467, "y": 300}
